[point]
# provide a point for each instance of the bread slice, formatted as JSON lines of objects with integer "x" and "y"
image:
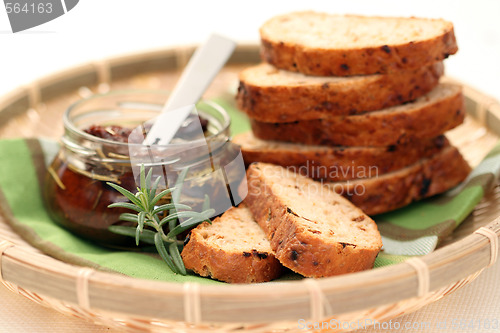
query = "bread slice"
{"x": 313, "y": 230}
{"x": 336, "y": 163}
{"x": 322, "y": 44}
{"x": 428, "y": 116}
{"x": 426, "y": 178}
{"x": 233, "y": 249}
{"x": 271, "y": 95}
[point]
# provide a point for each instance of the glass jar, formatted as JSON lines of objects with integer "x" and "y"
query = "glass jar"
{"x": 75, "y": 190}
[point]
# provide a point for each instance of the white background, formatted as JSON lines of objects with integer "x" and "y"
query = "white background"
{"x": 96, "y": 29}
{"x": 100, "y": 28}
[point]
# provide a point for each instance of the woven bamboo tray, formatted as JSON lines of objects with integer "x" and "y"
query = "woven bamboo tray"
{"x": 143, "y": 306}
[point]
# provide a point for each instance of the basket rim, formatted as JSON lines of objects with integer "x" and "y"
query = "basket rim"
{"x": 46, "y": 267}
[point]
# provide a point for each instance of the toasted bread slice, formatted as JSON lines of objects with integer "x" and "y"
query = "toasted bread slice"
{"x": 428, "y": 116}
{"x": 271, "y": 95}
{"x": 322, "y": 44}
{"x": 336, "y": 163}
{"x": 428, "y": 177}
{"x": 233, "y": 249}
{"x": 313, "y": 230}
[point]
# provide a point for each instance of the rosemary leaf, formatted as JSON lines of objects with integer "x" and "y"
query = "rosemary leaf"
{"x": 128, "y": 217}
{"x": 143, "y": 198}
{"x": 188, "y": 224}
{"x": 150, "y": 223}
{"x": 178, "y": 215}
{"x": 143, "y": 177}
{"x": 170, "y": 206}
{"x": 129, "y": 195}
{"x": 191, "y": 223}
{"x": 137, "y": 235}
{"x": 206, "y": 214}
{"x": 148, "y": 182}
{"x": 122, "y": 230}
{"x": 141, "y": 218}
{"x": 161, "y": 195}
{"x": 152, "y": 193}
{"x": 206, "y": 203}
{"x": 176, "y": 257}
{"x": 125, "y": 205}
{"x": 160, "y": 247}
{"x": 172, "y": 223}
{"x": 147, "y": 236}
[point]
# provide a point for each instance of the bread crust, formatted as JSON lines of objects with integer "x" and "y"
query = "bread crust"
{"x": 371, "y": 129}
{"x": 296, "y": 247}
{"x": 424, "y": 179}
{"x": 355, "y": 61}
{"x": 287, "y": 103}
{"x": 338, "y": 163}
{"x": 245, "y": 266}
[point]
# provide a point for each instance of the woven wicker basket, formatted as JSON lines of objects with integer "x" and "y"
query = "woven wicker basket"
{"x": 142, "y": 305}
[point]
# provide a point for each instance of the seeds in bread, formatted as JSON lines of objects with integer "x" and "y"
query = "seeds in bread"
{"x": 428, "y": 116}
{"x": 233, "y": 249}
{"x": 268, "y": 94}
{"x": 323, "y": 44}
{"x": 336, "y": 163}
{"x": 424, "y": 179}
{"x": 313, "y": 230}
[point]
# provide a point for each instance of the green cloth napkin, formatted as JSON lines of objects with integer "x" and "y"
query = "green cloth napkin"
{"x": 413, "y": 230}
{"x": 418, "y": 228}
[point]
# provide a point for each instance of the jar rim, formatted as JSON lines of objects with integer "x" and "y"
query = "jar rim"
{"x": 68, "y": 124}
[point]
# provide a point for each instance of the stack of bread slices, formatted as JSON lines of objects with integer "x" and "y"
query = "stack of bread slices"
{"x": 348, "y": 118}
{"x": 356, "y": 102}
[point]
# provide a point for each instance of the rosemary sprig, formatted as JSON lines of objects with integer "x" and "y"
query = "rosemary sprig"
{"x": 147, "y": 214}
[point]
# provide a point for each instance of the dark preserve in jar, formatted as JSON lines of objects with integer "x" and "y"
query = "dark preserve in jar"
{"x": 95, "y": 151}
{"x": 79, "y": 202}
